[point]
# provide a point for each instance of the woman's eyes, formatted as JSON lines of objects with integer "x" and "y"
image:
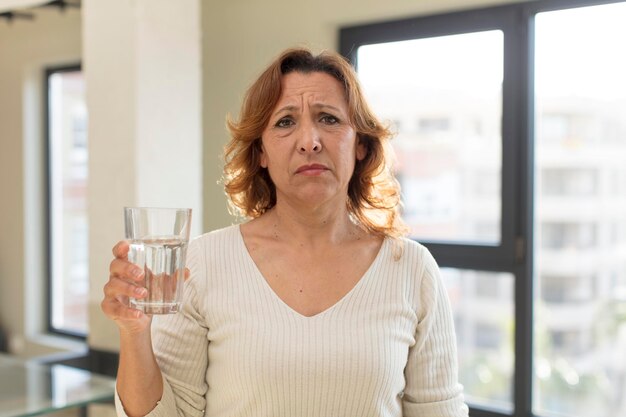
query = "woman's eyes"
{"x": 327, "y": 119}
{"x": 284, "y": 122}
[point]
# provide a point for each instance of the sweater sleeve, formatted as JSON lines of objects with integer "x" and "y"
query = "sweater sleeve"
{"x": 431, "y": 374}
{"x": 180, "y": 345}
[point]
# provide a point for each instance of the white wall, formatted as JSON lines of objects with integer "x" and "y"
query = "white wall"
{"x": 143, "y": 78}
{"x": 26, "y": 48}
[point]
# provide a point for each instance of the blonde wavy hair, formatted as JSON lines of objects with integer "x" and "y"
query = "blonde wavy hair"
{"x": 373, "y": 198}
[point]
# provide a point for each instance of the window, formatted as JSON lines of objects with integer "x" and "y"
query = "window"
{"x": 487, "y": 287}
{"x": 484, "y": 324}
{"x": 568, "y": 235}
{"x": 438, "y": 82}
{"x": 67, "y": 201}
{"x": 574, "y": 289}
{"x": 511, "y": 145}
{"x": 560, "y": 181}
{"x": 584, "y": 82}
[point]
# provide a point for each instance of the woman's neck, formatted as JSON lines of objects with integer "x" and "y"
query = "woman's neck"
{"x": 311, "y": 227}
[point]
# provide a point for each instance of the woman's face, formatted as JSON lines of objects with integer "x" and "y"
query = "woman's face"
{"x": 309, "y": 145}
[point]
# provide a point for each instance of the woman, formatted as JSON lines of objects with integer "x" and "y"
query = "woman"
{"x": 316, "y": 306}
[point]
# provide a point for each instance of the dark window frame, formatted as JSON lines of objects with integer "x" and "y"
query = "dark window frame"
{"x": 514, "y": 253}
{"x": 48, "y": 71}
{"x": 497, "y": 18}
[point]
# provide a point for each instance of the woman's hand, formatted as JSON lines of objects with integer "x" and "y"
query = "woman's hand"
{"x": 124, "y": 277}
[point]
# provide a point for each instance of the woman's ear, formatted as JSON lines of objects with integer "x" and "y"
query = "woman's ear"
{"x": 361, "y": 148}
{"x": 262, "y": 155}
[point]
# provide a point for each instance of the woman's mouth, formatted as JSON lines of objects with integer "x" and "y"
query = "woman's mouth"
{"x": 312, "y": 169}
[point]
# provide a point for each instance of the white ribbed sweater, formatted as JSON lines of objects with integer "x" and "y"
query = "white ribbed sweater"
{"x": 386, "y": 349}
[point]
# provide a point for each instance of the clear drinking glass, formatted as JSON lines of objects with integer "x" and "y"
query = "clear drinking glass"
{"x": 158, "y": 240}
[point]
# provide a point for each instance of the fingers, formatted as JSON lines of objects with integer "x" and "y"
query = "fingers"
{"x": 121, "y": 268}
{"x": 118, "y": 287}
{"x": 125, "y": 281}
{"x": 186, "y": 274}
{"x": 115, "y": 302}
{"x": 118, "y": 311}
{"x": 120, "y": 250}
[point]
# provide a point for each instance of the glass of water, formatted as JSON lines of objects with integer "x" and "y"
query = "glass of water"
{"x": 158, "y": 240}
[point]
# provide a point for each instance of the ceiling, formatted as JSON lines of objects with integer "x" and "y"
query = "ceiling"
{"x": 6, "y": 5}
{"x": 22, "y": 9}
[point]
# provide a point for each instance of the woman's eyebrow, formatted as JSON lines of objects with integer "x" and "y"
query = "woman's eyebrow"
{"x": 326, "y": 106}
{"x": 292, "y": 107}
{"x": 287, "y": 108}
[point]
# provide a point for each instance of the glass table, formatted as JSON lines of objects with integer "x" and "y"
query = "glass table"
{"x": 28, "y": 388}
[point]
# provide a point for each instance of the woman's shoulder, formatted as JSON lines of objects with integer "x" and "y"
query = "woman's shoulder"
{"x": 410, "y": 246}
{"x": 412, "y": 253}
{"x": 217, "y": 236}
{"x": 419, "y": 269}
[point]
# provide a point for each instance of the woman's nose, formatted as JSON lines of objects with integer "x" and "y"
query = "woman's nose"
{"x": 309, "y": 139}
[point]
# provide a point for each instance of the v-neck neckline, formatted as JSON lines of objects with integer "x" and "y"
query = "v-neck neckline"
{"x": 257, "y": 272}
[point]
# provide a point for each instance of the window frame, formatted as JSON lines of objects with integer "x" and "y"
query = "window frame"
{"x": 496, "y": 18}
{"x": 514, "y": 254}
{"x": 49, "y": 71}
